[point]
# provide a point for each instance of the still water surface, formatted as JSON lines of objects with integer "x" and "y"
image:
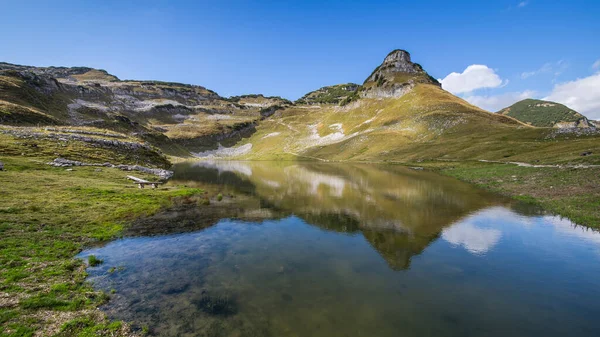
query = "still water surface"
{"x": 306, "y": 249}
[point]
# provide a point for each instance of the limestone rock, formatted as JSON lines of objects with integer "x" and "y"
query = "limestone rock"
{"x": 163, "y": 174}
{"x": 398, "y": 61}
{"x": 396, "y": 76}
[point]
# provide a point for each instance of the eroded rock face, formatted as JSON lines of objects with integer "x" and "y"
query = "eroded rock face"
{"x": 163, "y": 174}
{"x": 396, "y": 76}
{"x": 85, "y": 95}
{"x": 580, "y": 123}
{"x": 161, "y": 113}
{"x": 397, "y": 61}
{"x": 332, "y": 94}
{"x": 394, "y": 90}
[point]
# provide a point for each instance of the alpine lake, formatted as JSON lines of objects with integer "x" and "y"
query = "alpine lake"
{"x": 324, "y": 249}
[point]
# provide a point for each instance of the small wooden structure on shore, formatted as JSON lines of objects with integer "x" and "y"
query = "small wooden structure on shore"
{"x": 141, "y": 182}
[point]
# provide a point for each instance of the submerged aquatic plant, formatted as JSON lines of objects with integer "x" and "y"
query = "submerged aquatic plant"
{"x": 217, "y": 305}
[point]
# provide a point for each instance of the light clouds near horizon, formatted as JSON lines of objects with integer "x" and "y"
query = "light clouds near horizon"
{"x": 581, "y": 94}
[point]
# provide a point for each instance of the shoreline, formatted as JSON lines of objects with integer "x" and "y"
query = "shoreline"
{"x": 571, "y": 192}
{"x": 43, "y": 287}
{"x": 48, "y": 215}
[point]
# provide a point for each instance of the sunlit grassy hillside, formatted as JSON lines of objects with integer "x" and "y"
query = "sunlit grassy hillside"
{"x": 426, "y": 123}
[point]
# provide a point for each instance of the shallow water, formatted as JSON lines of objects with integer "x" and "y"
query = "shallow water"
{"x": 305, "y": 249}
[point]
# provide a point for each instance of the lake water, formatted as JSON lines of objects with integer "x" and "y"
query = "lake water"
{"x": 308, "y": 249}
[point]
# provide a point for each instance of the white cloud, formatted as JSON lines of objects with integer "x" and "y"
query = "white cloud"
{"x": 497, "y": 102}
{"x": 551, "y": 67}
{"x": 582, "y": 95}
{"x": 474, "y": 239}
{"x": 476, "y": 76}
{"x": 523, "y": 4}
{"x": 596, "y": 65}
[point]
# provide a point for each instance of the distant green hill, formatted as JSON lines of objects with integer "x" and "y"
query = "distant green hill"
{"x": 540, "y": 113}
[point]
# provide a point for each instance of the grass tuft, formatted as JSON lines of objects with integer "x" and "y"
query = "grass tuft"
{"x": 93, "y": 261}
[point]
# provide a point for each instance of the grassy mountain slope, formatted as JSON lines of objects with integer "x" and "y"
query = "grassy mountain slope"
{"x": 401, "y": 113}
{"x": 26, "y": 99}
{"x": 427, "y": 123}
{"x": 88, "y": 145}
{"x": 543, "y": 113}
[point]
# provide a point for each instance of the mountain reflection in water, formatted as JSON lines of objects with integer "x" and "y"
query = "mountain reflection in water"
{"x": 320, "y": 249}
{"x": 398, "y": 210}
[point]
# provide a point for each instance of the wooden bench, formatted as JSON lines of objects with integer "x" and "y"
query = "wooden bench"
{"x": 141, "y": 182}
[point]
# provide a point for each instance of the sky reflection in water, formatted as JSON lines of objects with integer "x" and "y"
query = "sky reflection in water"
{"x": 307, "y": 249}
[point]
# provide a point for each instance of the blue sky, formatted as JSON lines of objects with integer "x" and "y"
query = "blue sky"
{"x": 520, "y": 48}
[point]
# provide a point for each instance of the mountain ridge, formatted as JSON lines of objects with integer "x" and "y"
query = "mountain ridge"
{"x": 406, "y": 117}
{"x": 190, "y": 116}
{"x": 400, "y": 112}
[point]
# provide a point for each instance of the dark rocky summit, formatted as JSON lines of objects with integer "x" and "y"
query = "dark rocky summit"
{"x": 395, "y": 76}
{"x": 398, "y": 61}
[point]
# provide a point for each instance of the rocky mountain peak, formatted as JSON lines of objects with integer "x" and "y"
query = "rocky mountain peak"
{"x": 399, "y": 60}
{"x": 395, "y": 76}
{"x": 396, "y": 62}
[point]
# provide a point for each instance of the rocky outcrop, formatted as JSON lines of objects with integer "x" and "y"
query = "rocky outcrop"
{"x": 387, "y": 91}
{"x": 333, "y": 94}
{"x": 163, "y": 174}
{"x": 107, "y": 143}
{"x": 572, "y": 132}
{"x": 396, "y": 76}
{"x": 80, "y": 94}
{"x": 398, "y": 61}
{"x": 258, "y": 101}
{"x": 54, "y": 72}
{"x": 86, "y": 132}
{"x": 580, "y": 123}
